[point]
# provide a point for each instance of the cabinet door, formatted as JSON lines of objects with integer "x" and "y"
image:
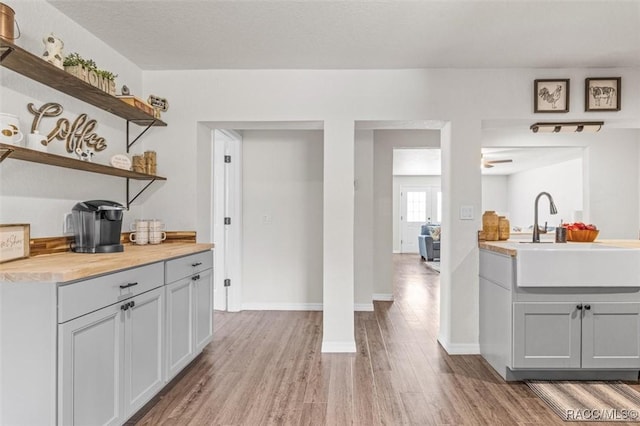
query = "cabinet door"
{"x": 143, "y": 348}
{"x": 180, "y": 348}
{"x": 90, "y": 367}
{"x": 203, "y": 308}
{"x": 611, "y": 335}
{"x": 546, "y": 335}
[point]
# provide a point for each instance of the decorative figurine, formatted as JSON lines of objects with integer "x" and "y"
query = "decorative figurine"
{"x": 125, "y": 90}
{"x": 53, "y": 53}
{"x": 85, "y": 155}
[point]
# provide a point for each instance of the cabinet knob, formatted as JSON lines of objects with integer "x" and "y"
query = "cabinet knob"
{"x": 587, "y": 307}
{"x": 579, "y": 307}
{"x": 196, "y": 264}
{"x": 124, "y": 307}
{"x": 132, "y": 304}
{"x": 195, "y": 277}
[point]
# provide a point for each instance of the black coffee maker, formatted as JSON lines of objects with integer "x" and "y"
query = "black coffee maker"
{"x": 97, "y": 225}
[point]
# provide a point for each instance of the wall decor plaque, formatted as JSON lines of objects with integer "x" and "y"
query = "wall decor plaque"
{"x": 551, "y": 95}
{"x": 14, "y": 242}
{"x": 602, "y": 94}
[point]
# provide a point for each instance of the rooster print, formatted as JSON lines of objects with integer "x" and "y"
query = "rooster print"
{"x": 549, "y": 97}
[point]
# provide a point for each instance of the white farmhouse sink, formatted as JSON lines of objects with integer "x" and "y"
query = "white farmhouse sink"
{"x": 576, "y": 265}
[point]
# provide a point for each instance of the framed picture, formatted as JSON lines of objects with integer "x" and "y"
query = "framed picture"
{"x": 14, "y": 242}
{"x": 602, "y": 94}
{"x": 551, "y": 95}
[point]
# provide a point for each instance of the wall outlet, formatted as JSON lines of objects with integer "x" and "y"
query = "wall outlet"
{"x": 67, "y": 224}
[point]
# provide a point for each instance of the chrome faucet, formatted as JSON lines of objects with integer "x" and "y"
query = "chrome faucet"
{"x": 552, "y": 210}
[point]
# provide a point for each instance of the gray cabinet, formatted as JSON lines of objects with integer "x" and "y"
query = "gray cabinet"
{"x": 556, "y": 332}
{"x": 546, "y": 335}
{"x": 576, "y": 335}
{"x": 611, "y": 335}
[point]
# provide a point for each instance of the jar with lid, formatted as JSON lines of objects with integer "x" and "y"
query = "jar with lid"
{"x": 490, "y": 225}
{"x": 503, "y": 228}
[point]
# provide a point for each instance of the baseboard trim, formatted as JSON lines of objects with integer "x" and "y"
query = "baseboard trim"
{"x": 282, "y": 306}
{"x": 358, "y": 307}
{"x": 363, "y": 307}
{"x": 339, "y": 347}
{"x": 382, "y": 297}
{"x": 460, "y": 348}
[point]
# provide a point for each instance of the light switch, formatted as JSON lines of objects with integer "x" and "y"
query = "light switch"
{"x": 466, "y": 212}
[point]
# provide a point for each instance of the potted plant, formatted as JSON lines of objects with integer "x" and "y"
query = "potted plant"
{"x": 87, "y": 70}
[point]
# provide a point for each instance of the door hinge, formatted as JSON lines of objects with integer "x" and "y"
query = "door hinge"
{"x": 227, "y": 221}
{"x": 227, "y": 282}
{"x": 227, "y": 158}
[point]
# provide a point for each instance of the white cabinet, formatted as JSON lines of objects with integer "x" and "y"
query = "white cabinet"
{"x": 111, "y": 361}
{"x": 189, "y": 309}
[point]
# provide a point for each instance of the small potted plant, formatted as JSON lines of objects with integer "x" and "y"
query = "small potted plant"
{"x": 87, "y": 70}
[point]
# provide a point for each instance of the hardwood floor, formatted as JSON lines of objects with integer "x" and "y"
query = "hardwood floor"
{"x": 266, "y": 367}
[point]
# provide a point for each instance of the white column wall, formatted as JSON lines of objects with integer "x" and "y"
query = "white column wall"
{"x": 364, "y": 229}
{"x": 338, "y": 271}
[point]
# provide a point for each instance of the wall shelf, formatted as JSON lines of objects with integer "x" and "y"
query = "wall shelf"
{"x": 23, "y": 62}
{"x": 25, "y": 154}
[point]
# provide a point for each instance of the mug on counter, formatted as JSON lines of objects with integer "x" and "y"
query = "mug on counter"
{"x": 140, "y": 234}
{"x": 156, "y": 231}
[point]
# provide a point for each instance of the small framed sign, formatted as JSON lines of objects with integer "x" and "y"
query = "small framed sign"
{"x": 551, "y": 95}
{"x": 602, "y": 94}
{"x": 14, "y": 242}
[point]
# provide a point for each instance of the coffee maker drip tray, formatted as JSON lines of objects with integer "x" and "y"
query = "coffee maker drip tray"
{"x": 113, "y": 248}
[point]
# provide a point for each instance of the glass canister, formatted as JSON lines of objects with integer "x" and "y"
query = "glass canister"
{"x": 490, "y": 225}
{"x": 503, "y": 228}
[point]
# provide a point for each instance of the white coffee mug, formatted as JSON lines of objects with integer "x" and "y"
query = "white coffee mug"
{"x": 10, "y": 129}
{"x": 156, "y": 224}
{"x": 139, "y": 238}
{"x": 156, "y": 237}
{"x": 140, "y": 225}
{"x": 34, "y": 141}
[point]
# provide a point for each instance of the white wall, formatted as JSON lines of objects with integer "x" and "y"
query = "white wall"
{"x": 363, "y": 227}
{"x": 494, "y": 193}
{"x": 282, "y": 219}
{"x": 563, "y": 181}
{"x": 39, "y": 194}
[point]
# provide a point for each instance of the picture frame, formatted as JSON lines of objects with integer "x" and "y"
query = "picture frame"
{"x": 602, "y": 94}
{"x": 551, "y": 95}
{"x": 14, "y": 241}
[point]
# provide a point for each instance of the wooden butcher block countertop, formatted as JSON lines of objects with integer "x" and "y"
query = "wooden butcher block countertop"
{"x": 71, "y": 266}
{"x": 510, "y": 247}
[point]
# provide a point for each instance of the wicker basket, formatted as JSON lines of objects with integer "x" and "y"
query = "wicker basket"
{"x": 582, "y": 236}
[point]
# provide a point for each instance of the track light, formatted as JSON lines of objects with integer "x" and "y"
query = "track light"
{"x": 579, "y": 126}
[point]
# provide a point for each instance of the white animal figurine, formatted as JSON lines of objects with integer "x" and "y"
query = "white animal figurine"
{"x": 85, "y": 155}
{"x": 53, "y": 54}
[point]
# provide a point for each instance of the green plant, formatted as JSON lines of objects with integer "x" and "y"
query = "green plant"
{"x": 74, "y": 59}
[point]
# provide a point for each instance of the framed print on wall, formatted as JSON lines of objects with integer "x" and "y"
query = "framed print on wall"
{"x": 602, "y": 94}
{"x": 14, "y": 241}
{"x": 551, "y": 95}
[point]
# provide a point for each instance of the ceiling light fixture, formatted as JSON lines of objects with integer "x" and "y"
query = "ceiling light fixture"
{"x": 578, "y": 126}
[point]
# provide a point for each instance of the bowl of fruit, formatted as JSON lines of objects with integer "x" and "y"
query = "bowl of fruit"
{"x": 580, "y": 232}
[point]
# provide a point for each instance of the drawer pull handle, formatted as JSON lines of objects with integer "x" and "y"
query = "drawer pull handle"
{"x": 124, "y": 307}
{"x": 195, "y": 277}
{"x": 196, "y": 264}
{"x": 128, "y": 285}
{"x": 132, "y": 304}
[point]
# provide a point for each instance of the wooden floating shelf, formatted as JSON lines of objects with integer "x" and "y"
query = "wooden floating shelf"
{"x": 23, "y": 62}
{"x": 25, "y": 154}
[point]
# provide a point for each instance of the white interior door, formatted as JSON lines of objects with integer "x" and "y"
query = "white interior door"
{"x": 227, "y": 160}
{"x": 419, "y": 205}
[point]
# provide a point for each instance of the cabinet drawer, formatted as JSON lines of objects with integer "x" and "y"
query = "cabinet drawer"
{"x": 87, "y": 296}
{"x": 188, "y": 265}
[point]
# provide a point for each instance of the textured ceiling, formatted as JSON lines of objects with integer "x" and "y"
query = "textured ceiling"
{"x": 361, "y": 34}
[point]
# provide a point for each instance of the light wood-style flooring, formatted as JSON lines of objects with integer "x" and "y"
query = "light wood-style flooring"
{"x": 266, "y": 368}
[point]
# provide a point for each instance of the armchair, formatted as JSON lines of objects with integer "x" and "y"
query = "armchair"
{"x": 429, "y": 241}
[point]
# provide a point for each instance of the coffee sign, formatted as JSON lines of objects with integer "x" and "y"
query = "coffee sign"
{"x": 14, "y": 242}
{"x": 78, "y": 135}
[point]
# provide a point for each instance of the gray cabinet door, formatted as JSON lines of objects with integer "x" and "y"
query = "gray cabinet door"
{"x": 611, "y": 335}
{"x": 546, "y": 335}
